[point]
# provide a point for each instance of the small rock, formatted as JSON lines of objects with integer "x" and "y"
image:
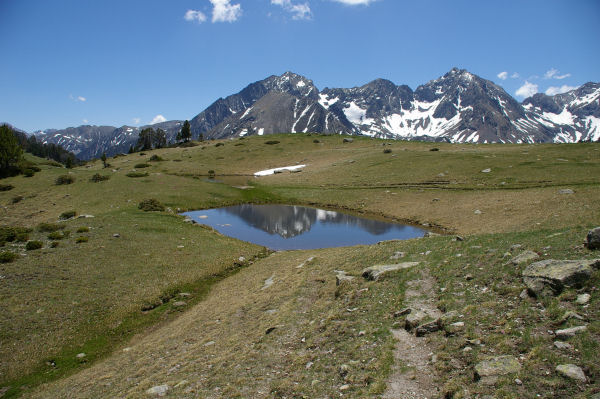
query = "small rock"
{"x": 268, "y": 282}
{"x": 427, "y": 328}
{"x": 181, "y": 383}
{"x": 571, "y": 371}
{"x": 308, "y": 365}
{"x": 474, "y": 341}
{"x": 414, "y": 319}
{"x": 159, "y": 390}
{"x": 563, "y": 345}
{"x": 348, "y": 140}
{"x": 593, "y": 239}
{"x": 582, "y": 299}
{"x": 468, "y": 277}
{"x": 571, "y": 315}
{"x": 116, "y": 235}
{"x": 518, "y": 381}
{"x": 515, "y": 247}
{"x": 184, "y": 294}
{"x": 209, "y": 343}
{"x": 566, "y": 191}
{"x": 362, "y": 333}
{"x": 241, "y": 259}
{"x": 402, "y": 312}
{"x": 80, "y": 355}
{"x": 455, "y": 328}
{"x": 496, "y": 366}
{"x": 397, "y": 255}
{"x": 488, "y": 170}
{"x": 345, "y": 386}
{"x": 344, "y": 370}
{"x": 467, "y": 349}
{"x": 477, "y": 212}
{"x": 524, "y": 294}
{"x": 179, "y": 304}
{"x": 376, "y": 272}
{"x": 431, "y": 234}
{"x": 569, "y": 332}
{"x": 341, "y": 277}
{"x": 524, "y": 257}
{"x": 458, "y": 238}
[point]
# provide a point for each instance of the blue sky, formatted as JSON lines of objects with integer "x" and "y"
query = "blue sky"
{"x": 116, "y": 62}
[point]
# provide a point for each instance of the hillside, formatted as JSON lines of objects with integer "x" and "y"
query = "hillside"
{"x": 147, "y": 301}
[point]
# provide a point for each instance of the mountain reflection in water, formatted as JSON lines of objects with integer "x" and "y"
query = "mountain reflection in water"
{"x": 298, "y": 227}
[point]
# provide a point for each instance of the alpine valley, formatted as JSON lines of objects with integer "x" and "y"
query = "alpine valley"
{"x": 458, "y": 107}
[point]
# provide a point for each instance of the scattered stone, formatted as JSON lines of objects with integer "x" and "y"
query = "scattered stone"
{"x": 488, "y": 370}
{"x": 551, "y": 276}
{"x": 563, "y": 345}
{"x": 458, "y": 238}
{"x": 80, "y": 355}
{"x": 427, "y": 328}
{"x": 402, "y": 312}
{"x": 268, "y": 282}
{"x": 341, "y": 277}
{"x": 348, "y": 140}
{"x": 209, "y": 343}
{"x": 566, "y": 191}
{"x": 344, "y": 370}
{"x": 448, "y": 317}
{"x": 179, "y": 304}
{"x": 455, "y": 328}
{"x": 116, "y": 235}
{"x": 345, "y": 386}
{"x": 362, "y": 333}
{"x": 397, "y": 255}
{"x": 269, "y": 330}
{"x": 571, "y": 315}
{"x": 569, "y": 332}
{"x": 308, "y": 365}
{"x": 184, "y": 294}
{"x": 488, "y": 170}
{"x": 467, "y": 349}
{"x": 518, "y": 381}
{"x": 181, "y": 383}
{"x": 128, "y": 349}
{"x": 474, "y": 341}
{"x": 571, "y": 371}
{"x": 431, "y": 234}
{"x": 468, "y": 276}
{"x": 477, "y": 212}
{"x": 159, "y": 390}
{"x": 582, "y": 299}
{"x": 593, "y": 239}
{"x": 241, "y": 259}
{"x": 524, "y": 294}
{"x": 515, "y": 247}
{"x": 524, "y": 257}
{"x": 376, "y": 272}
{"x": 415, "y": 318}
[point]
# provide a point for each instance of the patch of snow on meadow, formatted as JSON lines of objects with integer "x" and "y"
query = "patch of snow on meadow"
{"x": 267, "y": 172}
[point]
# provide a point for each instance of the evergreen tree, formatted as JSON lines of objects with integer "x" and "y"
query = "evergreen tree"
{"x": 103, "y": 158}
{"x": 186, "y": 132}
{"x": 145, "y": 139}
{"x": 159, "y": 139}
{"x": 10, "y": 151}
{"x": 131, "y": 150}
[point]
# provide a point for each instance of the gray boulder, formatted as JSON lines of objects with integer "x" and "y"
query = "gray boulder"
{"x": 376, "y": 272}
{"x": 593, "y": 239}
{"x": 488, "y": 370}
{"x": 551, "y": 276}
{"x": 524, "y": 257}
{"x": 571, "y": 371}
{"x": 427, "y": 328}
{"x": 569, "y": 332}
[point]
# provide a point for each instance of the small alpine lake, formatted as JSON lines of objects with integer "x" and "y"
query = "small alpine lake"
{"x": 289, "y": 227}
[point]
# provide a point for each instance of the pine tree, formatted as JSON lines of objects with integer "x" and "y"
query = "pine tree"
{"x": 10, "y": 151}
{"x": 186, "y": 132}
{"x": 103, "y": 158}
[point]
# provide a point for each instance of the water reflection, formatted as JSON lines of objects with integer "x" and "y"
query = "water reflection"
{"x": 298, "y": 227}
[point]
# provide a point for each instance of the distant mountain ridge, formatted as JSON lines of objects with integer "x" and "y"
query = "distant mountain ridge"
{"x": 457, "y": 107}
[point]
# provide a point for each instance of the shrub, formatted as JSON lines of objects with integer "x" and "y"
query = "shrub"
{"x": 59, "y": 235}
{"x": 6, "y": 187}
{"x": 54, "y": 244}
{"x": 155, "y": 158}
{"x": 7, "y": 256}
{"x": 151, "y": 204}
{"x": 98, "y": 178}
{"x": 17, "y": 199}
{"x": 22, "y": 236}
{"x": 219, "y": 145}
{"x": 387, "y": 151}
{"x": 10, "y": 233}
{"x": 81, "y": 239}
{"x": 434, "y": 149}
{"x": 137, "y": 174}
{"x": 64, "y": 179}
{"x": 83, "y": 229}
{"x": 316, "y": 141}
{"x": 33, "y": 245}
{"x": 67, "y": 215}
{"x": 28, "y": 172}
{"x": 271, "y": 142}
{"x": 211, "y": 173}
{"x": 46, "y": 227}
{"x": 141, "y": 165}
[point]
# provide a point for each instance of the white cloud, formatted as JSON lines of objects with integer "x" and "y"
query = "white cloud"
{"x": 136, "y": 121}
{"x": 193, "y": 15}
{"x": 527, "y": 90}
{"x": 515, "y": 76}
{"x": 224, "y": 11}
{"x": 78, "y": 98}
{"x": 355, "y": 2}
{"x": 158, "y": 119}
{"x": 503, "y": 75}
{"x": 552, "y": 91}
{"x": 299, "y": 11}
{"x": 85, "y": 121}
{"x": 553, "y": 74}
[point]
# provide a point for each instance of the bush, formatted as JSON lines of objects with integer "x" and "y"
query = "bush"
{"x": 211, "y": 173}
{"x": 81, "y": 239}
{"x": 6, "y": 187}
{"x": 28, "y": 172}
{"x": 434, "y": 149}
{"x": 59, "y": 235}
{"x": 149, "y": 205}
{"x": 271, "y": 142}
{"x": 67, "y": 215}
{"x": 7, "y": 256}
{"x": 137, "y": 174}
{"x": 17, "y": 199}
{"x": 155, "y": 158}
{"x": 219, "y": 145}
{"x": 141, "y": 165}
{"x": 47, "y": 227}
{"x": 54, "y": 244}
{"x": 387, "y": 151}
{"x": 316, "y": 141}
{"x": 10, "y": 234}
{"x": 22, "y": 236}
{"x": 33, "y": 245}
{"x": 83, "y": 229}
{"x": 64, "y": 179}
{"x": 98, "y": 178}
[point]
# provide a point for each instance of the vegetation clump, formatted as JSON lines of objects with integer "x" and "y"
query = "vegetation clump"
{"x": 59, "y": 235}
{"x": 33, "y": 245}
{"x": 28, "y": 172}
{"x": 141, "y": 165}
{"x": 83, "y": 229}
{"x": 7, "y": 256}
{"x": 137, "y": 174}
{"x": 47, "y": 227}
{"x": 219, "y": 145}
{"x": 272, "y": 142}
{"x": 81, "y": 239}
{"x": 6, "y": 187}
{"x": 387, "y": 151}
{"x": 16, "y": 199}
{"x": 11, "y": 233}
{"x": 54, "y": 244}
{"x": 155, "y": 158}
{"x": 98, "y": 178}
{"x": 67, "y": 215}
{"x": 64, "y": 179}
{"x": 150, "y": 205}
{"x": 211, "y": 173}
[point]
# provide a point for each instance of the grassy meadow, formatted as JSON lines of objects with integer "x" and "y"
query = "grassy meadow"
{"x": 112, "y": 286}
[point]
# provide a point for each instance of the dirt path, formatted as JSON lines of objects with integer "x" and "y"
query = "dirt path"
{"x": 413, "y": 374}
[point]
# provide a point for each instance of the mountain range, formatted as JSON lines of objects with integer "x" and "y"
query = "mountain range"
{"x": 458, "y": 107}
